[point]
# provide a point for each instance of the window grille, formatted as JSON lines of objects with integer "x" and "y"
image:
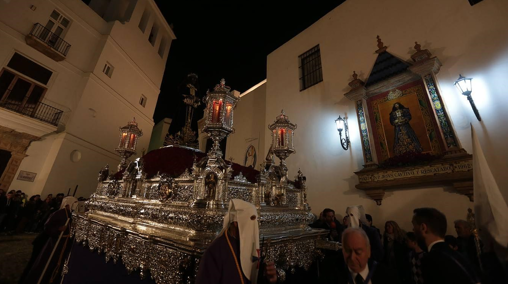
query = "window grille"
{"x": 310, "y": 68}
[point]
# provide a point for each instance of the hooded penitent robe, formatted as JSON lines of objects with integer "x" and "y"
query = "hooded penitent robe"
{"x": 217, "y": 266}
{"x": 228, "y": 260}
{"x": 54, "y": 269}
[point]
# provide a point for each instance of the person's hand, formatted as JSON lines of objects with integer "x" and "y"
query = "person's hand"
{"x": 62, "y": 229}
{"x": 271, "y": 272}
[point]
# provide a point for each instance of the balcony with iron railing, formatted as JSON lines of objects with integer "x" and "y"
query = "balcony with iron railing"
{"x": 47, "y": 42}
{"x": 39, "y": 111}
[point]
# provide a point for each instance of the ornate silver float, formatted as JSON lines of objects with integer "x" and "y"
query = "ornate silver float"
{"x": 162, "y": 211}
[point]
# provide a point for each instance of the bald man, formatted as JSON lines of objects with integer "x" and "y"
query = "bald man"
{"x": 360, "y": 269}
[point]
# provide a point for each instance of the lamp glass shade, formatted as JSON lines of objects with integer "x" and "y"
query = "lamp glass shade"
{"x": 340, "y": 123}
{"x": 464, "y": 85}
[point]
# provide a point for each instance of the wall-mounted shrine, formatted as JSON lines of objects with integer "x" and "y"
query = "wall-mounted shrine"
{"x": 407, "y": 136}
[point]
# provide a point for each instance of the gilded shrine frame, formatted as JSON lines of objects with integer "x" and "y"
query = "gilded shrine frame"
{"x": 394, "y": 87}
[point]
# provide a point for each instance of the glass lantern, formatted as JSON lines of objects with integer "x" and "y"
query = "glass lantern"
{"x": 282, "y": 136}
{"x": 129, "y": 136}
{"x": 463, "y": 84}
{"x": 220, "y": 104}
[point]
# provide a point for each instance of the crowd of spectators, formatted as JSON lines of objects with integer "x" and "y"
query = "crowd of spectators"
{"x": 20, "y": 214}
{"x": 403, "y": 252}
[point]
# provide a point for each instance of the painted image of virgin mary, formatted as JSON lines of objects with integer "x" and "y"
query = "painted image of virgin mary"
{"x": 250, "y": 157}
{"x": 405, "y": 137}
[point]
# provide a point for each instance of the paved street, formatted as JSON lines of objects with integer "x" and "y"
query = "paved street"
{"x": 15, "y": 251}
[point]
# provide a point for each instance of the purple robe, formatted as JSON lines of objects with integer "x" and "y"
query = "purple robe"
{"x": 217, "y": 266}
{"x": 54, "y": 222}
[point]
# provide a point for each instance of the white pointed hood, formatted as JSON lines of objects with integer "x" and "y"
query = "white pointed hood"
{"x": 355, "y": 215}
{"x": 247, "y": 217}
{"x": 71, "y": 201}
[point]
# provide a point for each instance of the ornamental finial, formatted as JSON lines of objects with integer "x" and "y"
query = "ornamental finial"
{"x": 133, "y": 122}
{"x": 418, "y": 47}
{"x": 222, "y": 86}
{"x": 355, "y": 76}
{"x": 380, "y": 45}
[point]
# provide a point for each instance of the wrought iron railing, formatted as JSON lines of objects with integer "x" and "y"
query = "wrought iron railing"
{"x": 51, "y": 39}
{"x": 40, "y": 111}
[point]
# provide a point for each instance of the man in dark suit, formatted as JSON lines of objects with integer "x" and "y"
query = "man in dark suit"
{"x": 332, "y": 259}
{"x": 441, "y": 265}
{"x": 467, "y": 244}
{"x": 331, "y": 224}
{"x": 359, "y": 268}
{"x": 369, "y": 224}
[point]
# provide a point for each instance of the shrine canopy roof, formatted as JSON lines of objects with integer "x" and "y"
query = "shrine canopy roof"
{"x": 174, "y": 160}
{"x": 386, "y": 66}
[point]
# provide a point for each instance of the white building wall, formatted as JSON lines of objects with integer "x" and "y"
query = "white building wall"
{"x": 67, "y": 173}
{"x": 250, "y": 126}
{"x": 95, "y": 105}
{"x": 469, "y": 40}
{"x": 40, "y": 158}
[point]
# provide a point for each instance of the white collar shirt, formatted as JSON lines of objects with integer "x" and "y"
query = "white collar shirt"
{"x": 364, "y": 273}
{"x": 433, "y": 243}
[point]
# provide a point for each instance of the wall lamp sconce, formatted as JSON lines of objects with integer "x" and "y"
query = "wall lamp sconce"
{"x": 342, "y": 126}
{"x": 464, "y": 86}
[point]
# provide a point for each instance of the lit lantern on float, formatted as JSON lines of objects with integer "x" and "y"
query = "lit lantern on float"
{"x": 220, "y": 104}
{"x": 129, "y": 135}
{"x": 282, "y": 136}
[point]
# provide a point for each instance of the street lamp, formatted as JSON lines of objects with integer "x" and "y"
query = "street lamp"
{"x": 464, "y": 86}
{"x": 342, "y": 126}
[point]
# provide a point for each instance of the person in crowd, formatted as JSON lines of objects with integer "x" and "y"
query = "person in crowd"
{"x": 345, "y": 221}
{"x": 234, "y": 256}
{"x": 32, "y": 225}
{"x": 332, "y": 225}
{"x": 19, "y": 196}
{"x": 57, "y": 201}
{"x": 415, "y": 257}
{"x": 451, "y": 241}
{"x": 369, "y": 223}
{"x": 11, "y": 218}
{"x": 441, "y": 265}
{"x": 332, "y": 259}
{"x": 356, "y": 219}
{"x": 47, "y": 267}
{"x": 5, "y": 208}
{"x": 26, "y": 215}
{"x": 466, "y": 242}
{"x": 45, "y": 212}
{"x": 395, "y": 249}
{"x": 360, "y": 268}
{"x": 318, "y": 222}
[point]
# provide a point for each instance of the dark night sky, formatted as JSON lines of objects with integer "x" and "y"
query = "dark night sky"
{"x": 227, "y": 39}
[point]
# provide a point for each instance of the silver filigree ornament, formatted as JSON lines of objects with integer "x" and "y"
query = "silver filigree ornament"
{"x": 240, "y": 178}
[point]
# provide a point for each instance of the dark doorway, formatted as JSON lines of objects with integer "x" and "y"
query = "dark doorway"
{"x": 5, "y": 156}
